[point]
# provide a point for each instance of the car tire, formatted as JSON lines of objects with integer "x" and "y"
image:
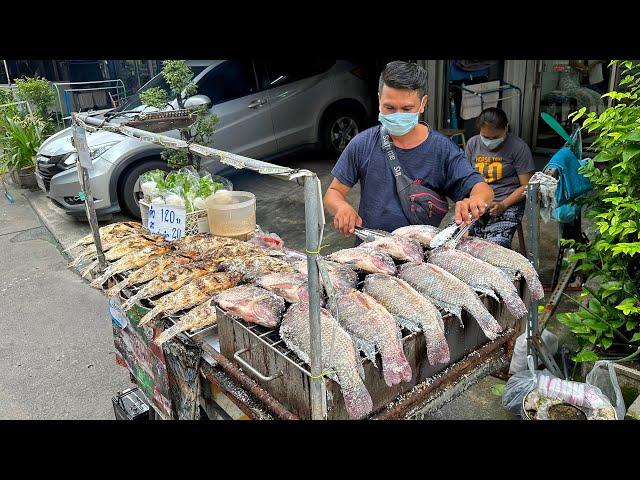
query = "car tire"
{"x": 339, "y": 126}
{"x": 127, "y": 184}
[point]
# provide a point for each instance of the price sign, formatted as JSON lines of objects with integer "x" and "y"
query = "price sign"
{"x": 80, "y": 140}
{"x": 167, "y": 220}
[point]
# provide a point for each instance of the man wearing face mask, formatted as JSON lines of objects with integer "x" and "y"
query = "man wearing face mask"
{"x": 405, "y": 168}
{"x": 506, "y": 163}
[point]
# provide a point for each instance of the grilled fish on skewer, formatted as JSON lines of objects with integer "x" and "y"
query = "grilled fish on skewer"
{"x": 480, "y": 276}
{"x": 199, "y": 317}
{"x": 191, "y": 294}
{"x": 252, "y": 304}
{"x": 412, "y": 311}
{"x": 450, "y": 293}
{"x": 340, "y": 358}
{"x": 508, "y": 260}
{"x": 372, "y": 261}
{"x": 108, "y": 231}
{"x": 131, "y": 261}
{"x": 253, "y": 266}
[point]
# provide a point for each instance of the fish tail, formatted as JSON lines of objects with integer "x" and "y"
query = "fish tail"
{"x": 437, "y": 348}
{"x": 357, "y": 401}
{"x": 116, "y": 289}
{"x": 85, "y": 271}
{"x": 488, "y": 324}
{"x": 150, "y": 315}
{"x": 395, "y": 367}
{"x": 169, "y": 333}
{"x": 533, "y": 282}
{"x": 514, "y": 303}
{"x": 98, "y": 282}
{"x": 130, "y": 302}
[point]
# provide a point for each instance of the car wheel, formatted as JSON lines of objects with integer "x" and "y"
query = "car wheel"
{"x": 129, "y": 193}
{"x": 339, "y": 127}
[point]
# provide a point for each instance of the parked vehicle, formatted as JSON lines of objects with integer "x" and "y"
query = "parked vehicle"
{"x": 266, "y": 110}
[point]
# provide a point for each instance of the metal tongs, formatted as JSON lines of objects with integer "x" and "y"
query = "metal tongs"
{"x": 451, "y": 235}
{"x": 370, "y": 234}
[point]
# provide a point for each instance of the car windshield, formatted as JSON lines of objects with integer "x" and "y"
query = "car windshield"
{"x": 133, "y": 102}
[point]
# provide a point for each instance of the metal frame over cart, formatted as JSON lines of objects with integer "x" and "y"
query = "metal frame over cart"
{"x": 245, "y": 371}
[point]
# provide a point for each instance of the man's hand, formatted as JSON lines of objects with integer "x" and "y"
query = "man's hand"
{"x": 469, "y": 209}
{"x": 497, "y": 209}
{"x": 346, "y": 219}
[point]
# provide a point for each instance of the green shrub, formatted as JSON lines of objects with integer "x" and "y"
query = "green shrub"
{"x": 20, "y": 141}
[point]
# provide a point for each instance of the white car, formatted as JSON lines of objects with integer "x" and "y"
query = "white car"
{"x": 266, "y": 109}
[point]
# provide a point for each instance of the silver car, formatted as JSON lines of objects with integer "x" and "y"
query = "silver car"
{"x": 266, "y": 109}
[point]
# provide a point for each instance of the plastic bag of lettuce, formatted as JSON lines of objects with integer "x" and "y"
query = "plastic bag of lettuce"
{"x": 184, "y": 187}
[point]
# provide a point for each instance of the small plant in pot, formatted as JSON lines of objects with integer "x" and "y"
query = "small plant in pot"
{"x": 20, "y": 140}
{"x": 607, "y": 323}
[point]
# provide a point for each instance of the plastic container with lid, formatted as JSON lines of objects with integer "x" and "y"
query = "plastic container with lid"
{"x": 231, "y": 214}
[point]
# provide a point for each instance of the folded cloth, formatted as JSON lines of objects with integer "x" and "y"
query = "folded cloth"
{"x": 472, "y": 105}
{"x": 547, "y": 190}
{"x": 572, "y": 184}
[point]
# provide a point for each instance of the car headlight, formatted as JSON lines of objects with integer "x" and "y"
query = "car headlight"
{"x": 100, "y": 149}
{"x": 70, "y": 159}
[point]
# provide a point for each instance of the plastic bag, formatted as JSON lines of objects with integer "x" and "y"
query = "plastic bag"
{"x": 519, "y": 357}
{"x": 575, "y": 393}
{"x": 603, "y": 376}
{"x": 266, "y": 240}
{"x": 518, "y": 386}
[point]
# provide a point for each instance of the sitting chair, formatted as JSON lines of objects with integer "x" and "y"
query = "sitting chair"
{"x": 453, "y": 132}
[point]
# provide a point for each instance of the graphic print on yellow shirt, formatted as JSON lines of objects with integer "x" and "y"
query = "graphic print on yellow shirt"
{"x": 490, "y": 167}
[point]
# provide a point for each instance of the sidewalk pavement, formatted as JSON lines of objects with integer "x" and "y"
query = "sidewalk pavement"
{"x": 57, "y": 351}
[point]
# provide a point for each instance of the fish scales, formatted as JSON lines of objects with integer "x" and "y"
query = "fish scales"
{"x": 342, "y": 277}
{"x": 292, "y": 286}
{"x": 108, "y": 231}
{"x": 398, "y": 247}
{"x": 340, "y": 358}
{"x": 420, "y": 233}
{"x": 252, "y": 304}
{"x": 366, "y": 259}
{"x": 128, "y": 245}
{"x": 133, "y": 260}
{"x": 508, "y": 260}
{"x": 201, "y": 316}
{"x": 371, "y": 326}
{"x": 412, "y": 310}
{"x": 450, "y": 293}
{"x": 191, "y": 294}
{"x": 253, "y": 266}
{"x": 480, "y": 276}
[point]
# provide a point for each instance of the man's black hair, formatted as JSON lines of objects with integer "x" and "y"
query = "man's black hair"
{"x": 405, "y": 76}
{"x": 494, "y": 118}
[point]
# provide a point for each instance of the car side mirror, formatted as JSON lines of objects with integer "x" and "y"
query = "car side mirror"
{"x": 197, "y": 101}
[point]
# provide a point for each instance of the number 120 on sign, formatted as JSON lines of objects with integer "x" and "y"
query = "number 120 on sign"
{"x": 167, "y": 221}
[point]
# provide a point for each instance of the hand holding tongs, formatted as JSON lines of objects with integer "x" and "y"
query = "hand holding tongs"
{"x": 453, "y": 233}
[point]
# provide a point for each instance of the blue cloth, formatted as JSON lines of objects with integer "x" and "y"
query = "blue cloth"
{"x": 571, "y": 184}
{"x": 436, "y": 163}
{"x": 456, "y": 73}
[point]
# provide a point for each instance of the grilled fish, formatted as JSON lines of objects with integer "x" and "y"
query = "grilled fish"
{"x": 342, "y": 277}
{"x": 291, "y": 286}
{"x": 191, "y": 294}
{"x": 150, "y": 271}
{"x": 480, "y": 276}
{"x": 508, "y": 260}
{"x": 252, "y": 304}
{"x": 107, "y": 232}
{"x": 398, "y": 247}
{"x": 340, "y": 358}
{"x": 131, "y": 261}
{"x": 369, "y": 260}
{"x": 450, "y": 293}
{"x": 420, "y": 233}
{"x": 252, "y": 266}
{"x": 171, "y": 279}
{"x": 371, "y": 326}
{"x": 199, "y": 317}
{"x": 216, "y": 246}
{"x": 411, "y": 310}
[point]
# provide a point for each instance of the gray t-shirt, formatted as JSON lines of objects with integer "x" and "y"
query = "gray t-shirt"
{"x": 500, "y": 168}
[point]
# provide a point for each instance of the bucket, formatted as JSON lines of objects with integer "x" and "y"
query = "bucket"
{"x": 231, "y": 214}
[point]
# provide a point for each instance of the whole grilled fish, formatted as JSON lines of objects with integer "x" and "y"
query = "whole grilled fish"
{"x": 133, "y": 260}
{"x": 199, "y": 317}
{"x": 252, "y": 304}
{"x": 340, "y": 358}
{"x": 171, "y": 279}
{"x": 252, "y": 266}
{"x": 398, "y": 247}
{"x": 217, "y": 247}
{"x": 369, "y": 260}
{"x": 150, "y": 271}
{"x": 292, "y": 286}
{"x": 450, "y": 293}
{"x": 107, "y": 231}
{"x": 342, "y": 277}
{"x": 420, "y": 233}
{"x": 371, "y": 326}
{"x": 90, "y": 252}
{"x": 508, "y": 260}
{"x": 411, "y": 310}
{"x": 191, "y": 294}
{"x": 480, "y": 276}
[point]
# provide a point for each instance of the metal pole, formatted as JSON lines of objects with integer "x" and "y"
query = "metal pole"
{"x": 6, "y": 69}
{"x": 533, "y": 206}
{"x": 84, "y": 157}
{"x": 311, "y": 220}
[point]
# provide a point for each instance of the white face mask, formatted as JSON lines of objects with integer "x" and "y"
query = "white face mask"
{"x": 493, "y": 143}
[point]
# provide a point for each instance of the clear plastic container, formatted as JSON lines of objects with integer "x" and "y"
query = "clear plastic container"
{"x": 231, "y": 214}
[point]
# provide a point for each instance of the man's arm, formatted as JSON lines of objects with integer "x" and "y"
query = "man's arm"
{"x": 480, "y": 198}
{"x": 345, "y": 217}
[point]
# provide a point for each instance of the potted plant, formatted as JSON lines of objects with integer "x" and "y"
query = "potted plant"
{"x": 20, "y": 140}
{"x": 40, "y": 96}
{"x": 607, "y": 323}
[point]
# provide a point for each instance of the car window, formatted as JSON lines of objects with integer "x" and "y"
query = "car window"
{"x": 228, "y": 81}
{"x": 158, "y": 81}
{"x": 282, "y": 72}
